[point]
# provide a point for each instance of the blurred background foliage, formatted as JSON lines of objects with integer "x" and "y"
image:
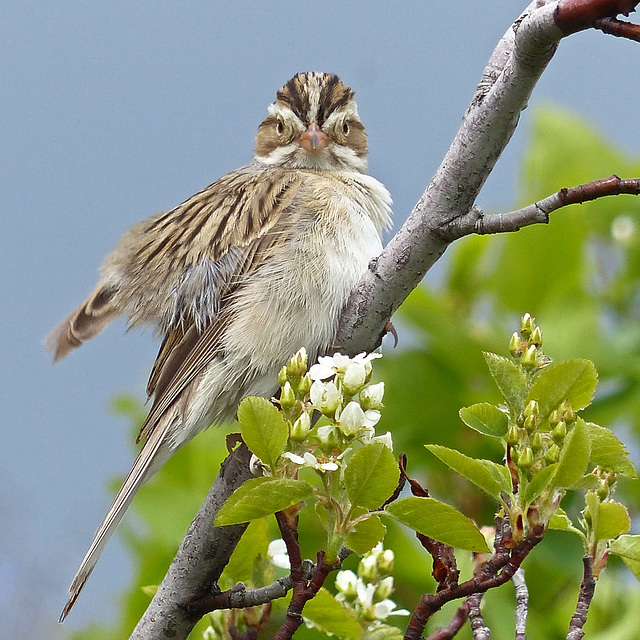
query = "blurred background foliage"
{"x": 580, "y": 278}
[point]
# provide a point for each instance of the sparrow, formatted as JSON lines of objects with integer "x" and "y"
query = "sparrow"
{"x": 240, "y": 276}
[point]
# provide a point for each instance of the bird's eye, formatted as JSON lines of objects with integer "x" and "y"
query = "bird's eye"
{"x": 345, "y": 127}
{"x": 279, "y": 127}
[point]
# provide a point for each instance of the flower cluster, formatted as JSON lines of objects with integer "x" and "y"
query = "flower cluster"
{"x": 339, "y": 388}
{"x": 367, "y": 593}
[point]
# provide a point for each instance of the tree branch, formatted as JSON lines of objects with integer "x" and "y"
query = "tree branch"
{"x": 587, "y": 589}
{"x": 448, "y": 632}
{"x": 503, "y": 92}
{"x": 200, "y": 560}
{"x": 478, "y": 627}
{"x": 522, "y": 603}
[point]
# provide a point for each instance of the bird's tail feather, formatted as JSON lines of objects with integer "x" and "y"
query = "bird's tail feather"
{"x": 83, "y": 323}
{"x": 150, "y": 458}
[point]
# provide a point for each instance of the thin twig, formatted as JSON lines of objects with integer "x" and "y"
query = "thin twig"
{"x": 448, "y": 632}
{"x": 522, "y": 603}
{"x": 538, "y": 213}
{"x": 587, "y": 589}
{"x": 476, "y": 620}
{"x": 619, "y": 28}
{"x": 494, "y": 572}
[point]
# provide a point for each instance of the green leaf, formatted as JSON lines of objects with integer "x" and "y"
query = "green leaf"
{"x": 371, "y": 476}
{"x": 329, "y": 615}
{"x": 485, "y": 418}
{"x": 608, "y": 452}
{"x": 263, "y": 429}
{"x": 253, "y": 545}
{"x": 439, "y": 521}
{"x": 634, "y": 567}
{"x": 539, "y": 483}
{"x": 510, "y": 380}
{"x": 574, "y": 456}
{"x": 572, "y": 380}
{"x": 384, "y": 632}
{"x": 261, "y": 497}
{"x": 483, "y": 473}
{"x": 613, "y": 521}
{"x": 560, "y": 522}
{"x": 627, "y": 547}
{"x": 366, "y": 535}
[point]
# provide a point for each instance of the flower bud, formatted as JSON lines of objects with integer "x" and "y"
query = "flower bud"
{"x": 529, "y": 356}
{"x": 301, "y": 427}
{"x": 371, "y": 396}
{"x": 526, "y": 325}
{"x": 329, "y": 437}
{"x": 525, "y": 459}
{"x": 354, "y": 378}
{"x": 554, "y": 418}
{"x": 512, "y": 435}
{"x": 384, "y": 589}
{"x": 346, "y": 584}
{"x": 559, "y": 432}
{"x": 368, "y": 569}
{"x": 530, "y": 424}
{"x": 536, "y": 337}
{"x": 553, "y": 454}
{"x": 325, "y": 397}
{"x": 287, "y": 397}
{"x": 282, "y": 376}
{"x": 304, "y": 385}
{"x": 531, "y": 409}
{"x": 536, "y": 442}
{"x": 351, "y": 419}
{"x": 567, "y": 412}
{"x": 514, "y": 344}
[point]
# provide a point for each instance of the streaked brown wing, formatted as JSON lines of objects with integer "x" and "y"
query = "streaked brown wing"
{"x": 187, "y": 350}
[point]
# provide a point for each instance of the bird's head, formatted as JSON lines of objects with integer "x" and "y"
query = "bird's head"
{"x": 313, "y": 124}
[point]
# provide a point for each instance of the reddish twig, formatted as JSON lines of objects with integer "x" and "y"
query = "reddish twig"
{"x": 619, "y": 28}
{"x": 303, "y": 590}
{"x": 611, "y": 186}
{"x": 448, "y": 632}
{"x": 575, "y": 15}
{"x": 494, "y": 572}
{"x": 587, "y": 589}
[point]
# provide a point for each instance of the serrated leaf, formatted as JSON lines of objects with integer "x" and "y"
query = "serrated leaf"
{"x": 608, "y": 452}
{"x": 627, "y": 547}
{"x": 263, "y": 429}
{"x": 371, "y": 476}
{"x": 439, "y": 521}
{"x": 588, "y": 482}
{"x": 261, "y": 497}
{"x": 253, "y": 544}
{"x": 613, "y": 521}
{"x": 574, "y": 456}
{"x": 480, "y": 472}
{"x": 560, "y": 522}
{"x": 510, "y": 380}
{"x": 366, "y": 535}
{"x": 485, "y": 418}
{"x": 329, "y": 615}
{"x": 573, "y": 380}
{"x": 539, "y": 483}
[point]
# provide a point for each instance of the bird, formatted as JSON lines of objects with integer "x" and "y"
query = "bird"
{"x": 240, "y": 276}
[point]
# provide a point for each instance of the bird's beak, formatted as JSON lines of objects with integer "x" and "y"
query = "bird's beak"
{"x": 314, "y": 138}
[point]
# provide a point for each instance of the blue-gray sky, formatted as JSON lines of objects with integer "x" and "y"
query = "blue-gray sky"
{"x": 110, "y": 112}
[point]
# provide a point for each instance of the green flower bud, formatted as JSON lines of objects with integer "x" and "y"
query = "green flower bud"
{"x": 304, "y": 386}
{"x": 383, "y": 590}
{"x": 368, "y": 569}
{"x": 602, "y": 493}
{"x": 282, "y": 376}
{"x": 525, "y": 459}
{"x": 526, "y": 325}
{"x": 529, "y": 356}
{"x": 553, "y": 454}
{"x": 287, "y": 397}
{"x": 514, "y": 344}
{"x": 567, "y": 412}
{"x": 512, "y": 435}
{"x": 611, "y": 479}
{"x": 536, "y": 442}
{"x": 536, "y": 337}
{"x": 559, "y": 432}
{"x": 554, "y": 418}
{"x": 530, "y": 424}
{"x": 386, "y": 560}
{"x": 301, "y": 427}
{"x": 531, "y": 409}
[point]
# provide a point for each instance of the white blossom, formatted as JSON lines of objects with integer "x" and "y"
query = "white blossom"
{"x": 371, "y": 396}
{"x": 382, "y": 610}
{"x": 277, "y": 551}
{"x": 352, "y": 418}
{"x": 354, "y": 378}
{"x": 325, "y": 396}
